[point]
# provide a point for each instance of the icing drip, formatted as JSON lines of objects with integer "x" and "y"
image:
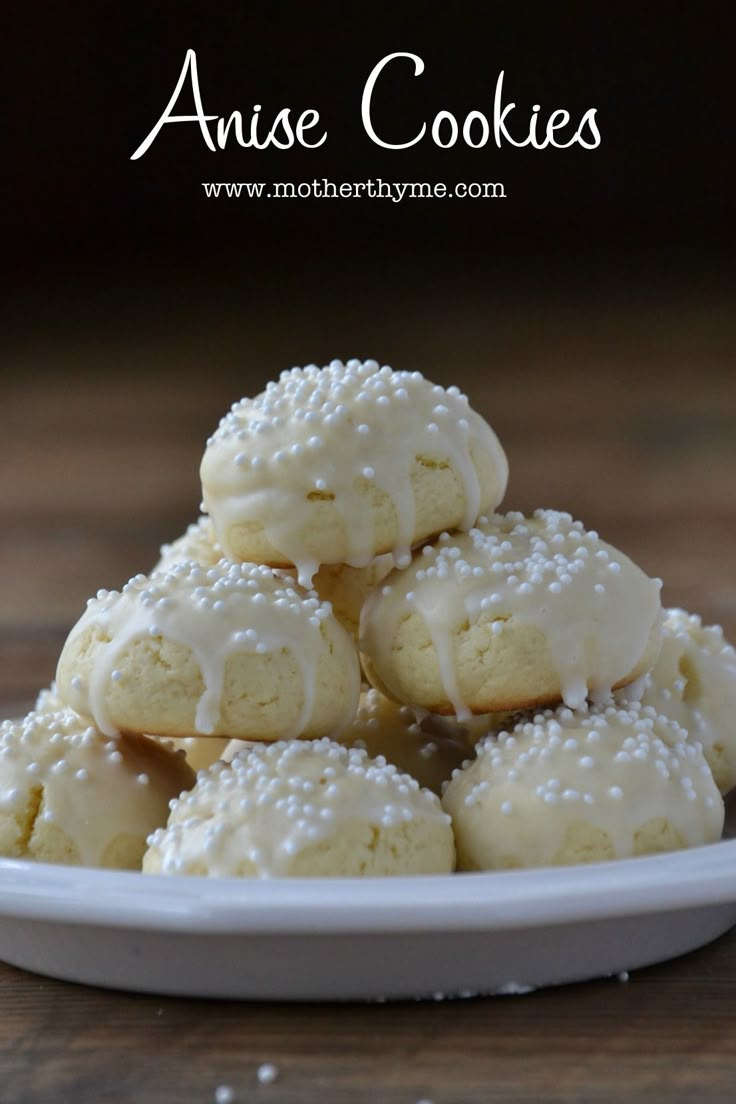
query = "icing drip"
{"x": 596, "y": 609}
{"x": 329, "y": 434}
{"x": 216, "y": 613}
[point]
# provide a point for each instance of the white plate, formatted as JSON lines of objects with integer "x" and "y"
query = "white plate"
{"x": 347, "y": 939}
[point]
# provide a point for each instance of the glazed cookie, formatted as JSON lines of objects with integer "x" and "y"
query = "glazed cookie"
{"x": 571, "y": 787}
{"x": 233, "y": 650}
{"x": 303, "y": 809}
{"x": 345, "y": 588}
{"x": 517, "y": 613}
{"x": 70, "y": 795}
{"x": 429, "y": 748}
{"x": 344, "y": 463}
{"x": 694, "y": 683}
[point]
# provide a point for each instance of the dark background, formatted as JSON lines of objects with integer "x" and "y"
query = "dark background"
{"x": 86, "y": 82}
{"x": 589, "y": 315}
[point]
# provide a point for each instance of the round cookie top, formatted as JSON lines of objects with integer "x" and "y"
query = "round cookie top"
{"x": 215, "y": 613}
{"x": 69, "y": 794}
{"x": 309, "y": 808}
{"x": 564, "y": 787}
{"x": 694, "y": 683}
{"x": 477, "y": 599}
{"x": 320, "y": 454}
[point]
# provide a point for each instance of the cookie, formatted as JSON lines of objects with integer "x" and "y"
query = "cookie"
{"x": 694, "y": 683}
{"x": 70, "y": 795}
{"x": 517, "y": 613}
{"x": 344, "y": 463}
{"x": 230, "y": 651}
{"x": 344, "y": 587}
{"x": 569, "y": 787}
{"x": 303, "y": 809}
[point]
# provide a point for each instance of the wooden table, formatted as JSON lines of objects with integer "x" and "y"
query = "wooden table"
{"x": 621, "y": 410}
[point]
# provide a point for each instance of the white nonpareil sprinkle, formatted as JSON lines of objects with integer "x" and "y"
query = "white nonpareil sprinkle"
{"x": 224, "y": 1095}
{"x": 290, "y": 779}
{"x": 222, "y": 587}
{"x": 267, "y": 1073}
{"x": 323, "y": 428}
{"x": 642, "y": 765}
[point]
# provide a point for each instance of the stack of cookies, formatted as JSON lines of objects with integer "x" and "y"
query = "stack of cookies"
{"x": 372, "y": 670}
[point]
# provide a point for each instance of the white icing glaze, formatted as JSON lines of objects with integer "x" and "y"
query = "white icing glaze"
{"x": 545, "y": 571}
{"x": 275, "y": 800}
{"x": 215, "y": 612}
{"x": 324, "y": 431}
{"x": 614, "y": 769}
{"x": 694, "y": 683}
{"x": 92, "y": 788}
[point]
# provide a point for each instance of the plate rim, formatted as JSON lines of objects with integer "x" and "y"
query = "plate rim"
{"x": 694, "y": 878}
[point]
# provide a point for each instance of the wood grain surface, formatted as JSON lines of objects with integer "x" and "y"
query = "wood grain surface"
{"x": 622, "y": 410}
